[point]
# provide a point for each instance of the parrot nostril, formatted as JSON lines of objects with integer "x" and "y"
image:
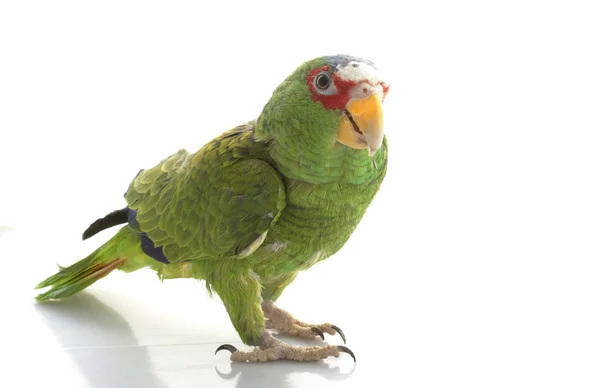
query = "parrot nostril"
{"x": 365, "y": 90}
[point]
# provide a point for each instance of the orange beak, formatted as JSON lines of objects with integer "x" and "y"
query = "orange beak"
{"x": 361, "y": 125}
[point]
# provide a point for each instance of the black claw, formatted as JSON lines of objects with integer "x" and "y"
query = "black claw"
{"x": 340, "y": 332}
{"x": 346, "y": 350}
{"x": 231, "y": 348}
{"x": 318, "y": 332}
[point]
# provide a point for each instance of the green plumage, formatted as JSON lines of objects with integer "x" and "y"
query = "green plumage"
{"x": 122, "y": 251}
{"x": 247, "y": 211}
{"x": 210, "y": 205}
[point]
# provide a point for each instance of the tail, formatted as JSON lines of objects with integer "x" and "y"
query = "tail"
{"x": 112, "y": 255}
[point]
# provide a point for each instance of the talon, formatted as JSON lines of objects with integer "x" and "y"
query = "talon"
{"x": 231, "y": 348}
{"x": 340, "y": 332}
{"x": 346, "y": 350}
{"x": 319, "y": 332}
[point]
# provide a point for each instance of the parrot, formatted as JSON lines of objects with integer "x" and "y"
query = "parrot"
{"x": 255, "y": 206}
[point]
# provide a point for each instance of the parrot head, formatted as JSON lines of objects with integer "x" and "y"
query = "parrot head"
{"x": 327, "y": 105}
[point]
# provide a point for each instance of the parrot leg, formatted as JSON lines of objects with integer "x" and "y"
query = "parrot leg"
{"x": 243, "y": 303}
{"x": 241, "y": 298}
{"x": 283, "y": 321}
{"x": 272, "y": 349}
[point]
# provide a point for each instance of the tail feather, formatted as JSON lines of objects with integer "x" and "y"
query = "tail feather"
{"x": 112, "y": 219}
{"x": 110, "y": 256}
{"x": 64, "y": 284}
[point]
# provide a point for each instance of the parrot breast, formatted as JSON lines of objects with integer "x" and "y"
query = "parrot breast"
{"x": 317, "y": 221}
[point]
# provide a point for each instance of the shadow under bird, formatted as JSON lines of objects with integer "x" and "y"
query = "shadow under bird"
{"x": 256, "y": 205}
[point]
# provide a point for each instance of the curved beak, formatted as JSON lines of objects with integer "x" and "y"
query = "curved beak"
{"x": 361, "y": 125}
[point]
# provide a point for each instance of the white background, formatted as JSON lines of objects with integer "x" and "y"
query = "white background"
{"x": 476, "y": 266}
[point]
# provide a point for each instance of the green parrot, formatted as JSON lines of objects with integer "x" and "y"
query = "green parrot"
{"x": 256, "y": 205}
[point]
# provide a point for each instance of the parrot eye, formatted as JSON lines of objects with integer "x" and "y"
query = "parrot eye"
{"x": 322, "y": 81}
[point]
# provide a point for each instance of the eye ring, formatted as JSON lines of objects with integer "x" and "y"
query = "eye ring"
{"x": 322, "y": 81}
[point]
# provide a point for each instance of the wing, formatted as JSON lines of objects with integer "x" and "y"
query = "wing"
{"x": 216, "y": 203}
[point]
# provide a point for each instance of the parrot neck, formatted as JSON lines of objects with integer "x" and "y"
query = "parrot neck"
{"x": 335, "y": 164}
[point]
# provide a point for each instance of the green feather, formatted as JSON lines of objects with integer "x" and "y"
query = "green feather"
{"x": 121, "y": 251}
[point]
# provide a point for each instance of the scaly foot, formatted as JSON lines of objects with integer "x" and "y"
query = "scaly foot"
{"x": 272, "y": 349}
{"x": 282, "y": 320}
